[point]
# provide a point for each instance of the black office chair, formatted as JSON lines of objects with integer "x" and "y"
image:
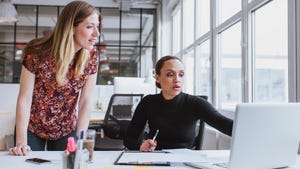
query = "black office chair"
{"x": 198, "y": 142}
{"x": 117, "y": 118}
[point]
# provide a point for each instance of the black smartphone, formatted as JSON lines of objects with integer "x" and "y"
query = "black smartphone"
{"x": 37, "y": 160}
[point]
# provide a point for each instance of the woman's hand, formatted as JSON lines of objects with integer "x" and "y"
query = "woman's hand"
{"x": 148, "y": 145}
{"x": 20, "y": 150}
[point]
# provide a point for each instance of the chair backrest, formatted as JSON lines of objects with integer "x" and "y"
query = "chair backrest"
{"x": 199, "y": 138}
{"x": 119, "y": 113}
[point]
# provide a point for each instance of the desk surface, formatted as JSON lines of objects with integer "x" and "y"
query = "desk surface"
{"x": 97, "y": 116}
{"x": 102, "y": 160}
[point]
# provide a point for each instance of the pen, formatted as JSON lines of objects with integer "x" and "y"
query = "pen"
{"x": 153, "y": 139}
{"x": 155, "y": 135}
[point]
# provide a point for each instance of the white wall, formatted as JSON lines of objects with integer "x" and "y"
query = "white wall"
{"x": 102, "y": 93}
{"x": 8, "y": 100}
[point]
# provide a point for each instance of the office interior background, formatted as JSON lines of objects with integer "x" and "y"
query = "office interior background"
{"x": 233, "y": 51}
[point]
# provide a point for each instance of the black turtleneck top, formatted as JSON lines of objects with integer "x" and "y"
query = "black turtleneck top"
{"x": 176, "y": 120}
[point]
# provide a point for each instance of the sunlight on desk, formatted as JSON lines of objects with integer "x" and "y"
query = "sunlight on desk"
{"x": 106, "y": 168}
{"x": 141, "y": 167}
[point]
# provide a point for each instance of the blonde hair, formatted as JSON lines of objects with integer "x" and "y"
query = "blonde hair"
{"x": 60, "y": 43}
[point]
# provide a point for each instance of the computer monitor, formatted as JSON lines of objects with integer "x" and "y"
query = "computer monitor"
{"x": 133, "y": 85}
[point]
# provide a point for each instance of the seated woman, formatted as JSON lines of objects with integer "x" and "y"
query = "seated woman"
{"x": 172, "y": 112}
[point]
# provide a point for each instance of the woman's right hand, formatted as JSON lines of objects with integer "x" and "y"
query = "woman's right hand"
{"x": 148, "y": 145}
{"x": 20, "y": 150}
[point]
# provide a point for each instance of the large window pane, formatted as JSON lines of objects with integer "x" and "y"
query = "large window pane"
{"x": 230, "y": 67}
{"x": 148, "y": 59}
{"x": 110, "y": 26}
{"x": 189, "y": 62}
{"x": 129, "y": 61}
{"x": 188, "y": 22}
{"x": 6, "y": 32}
{"x": 109, "y": 46}
{"x": 202, "y": 17}
{"x": 46, "y": 20}
{"x": 176, "y": 32}
{"x": 26, "y": 25}
{"x": 6, "y": 63}
{"x": 131, "y": 28}
{"x": 227, "y": 9}
{"x": 203, "y": 72}
{"x": 123, "y": 43}
{"x": 148, "y": 18}
{"x": 270, "y": 53}
{"x": 131, "y": 38}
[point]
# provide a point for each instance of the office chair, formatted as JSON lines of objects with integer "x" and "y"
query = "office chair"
{"x": 197, "y": 145}
{"x": 117, "y": 118}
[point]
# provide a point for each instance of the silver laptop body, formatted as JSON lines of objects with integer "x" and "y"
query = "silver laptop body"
{"x": 264, "y": 136}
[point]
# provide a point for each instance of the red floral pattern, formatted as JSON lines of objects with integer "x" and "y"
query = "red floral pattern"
{"x": 53, "y": 109}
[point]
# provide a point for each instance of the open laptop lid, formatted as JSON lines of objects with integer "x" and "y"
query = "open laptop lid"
{"x": 265, "y": 135}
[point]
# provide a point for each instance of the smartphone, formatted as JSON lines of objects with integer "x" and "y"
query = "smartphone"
{"x": 37, "y": 160}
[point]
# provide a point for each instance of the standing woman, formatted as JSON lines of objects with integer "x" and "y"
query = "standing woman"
{"x": 172, "y": 112}
{"x": 58, "y": 75}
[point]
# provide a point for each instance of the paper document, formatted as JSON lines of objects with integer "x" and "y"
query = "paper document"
{"x": 164, "y": 157}
{"x": 143, "y": 158}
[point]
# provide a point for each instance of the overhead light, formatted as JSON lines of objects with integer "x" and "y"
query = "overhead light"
{"x": 8, "y": 11}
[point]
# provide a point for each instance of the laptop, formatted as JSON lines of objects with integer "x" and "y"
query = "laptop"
{"x": 264, "y": 136}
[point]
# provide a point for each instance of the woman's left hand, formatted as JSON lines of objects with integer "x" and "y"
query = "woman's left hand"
{"x": 20, "y": 150}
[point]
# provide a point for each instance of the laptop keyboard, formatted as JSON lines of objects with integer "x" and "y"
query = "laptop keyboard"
{"x": 223, "y": 165}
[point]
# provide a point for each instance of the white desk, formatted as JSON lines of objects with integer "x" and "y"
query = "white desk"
{"x": 102, "y": 160}
{"x": 97, "y": 116}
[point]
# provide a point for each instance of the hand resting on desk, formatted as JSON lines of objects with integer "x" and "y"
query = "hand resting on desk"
{"x": 19, "y": 150}
{"x": 148, "y": 145}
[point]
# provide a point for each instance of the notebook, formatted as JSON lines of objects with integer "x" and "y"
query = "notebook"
{"x": 264, "y": 136}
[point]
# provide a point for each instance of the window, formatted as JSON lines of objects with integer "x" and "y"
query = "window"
{"x": 46, "y": 20}
{"x": 125, "y": 39}
{"x": 188, "y": 22}
{"x": 244, "y": 53}
{"x": 227, "y": 9}
{"x": 202, "y": 17}
{"x": 176, "y": 32}
{"x": 270, "y": 53}
{"x": 189, "y": 62}
{"x": 203, "y": 70}
{"x": 230, "y": 67}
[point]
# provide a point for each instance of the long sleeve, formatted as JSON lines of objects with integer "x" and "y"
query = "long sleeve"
{"x": 212, "y": 117}
{"x": 136, "y": 127}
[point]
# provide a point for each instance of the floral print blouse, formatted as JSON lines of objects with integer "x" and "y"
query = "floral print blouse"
{"x": 53, "y": 109}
